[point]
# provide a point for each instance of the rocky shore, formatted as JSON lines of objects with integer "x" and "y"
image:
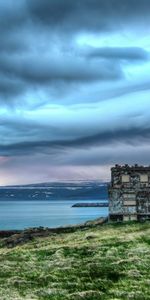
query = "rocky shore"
{"x": 12, "y": 238}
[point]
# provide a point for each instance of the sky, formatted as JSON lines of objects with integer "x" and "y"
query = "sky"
{"x": 74, "y": 88}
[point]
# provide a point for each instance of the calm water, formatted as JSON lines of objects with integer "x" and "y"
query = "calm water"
{"x": 23, "y": 214}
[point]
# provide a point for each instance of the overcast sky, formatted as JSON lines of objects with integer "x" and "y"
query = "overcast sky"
{"x": 74, "y": 88}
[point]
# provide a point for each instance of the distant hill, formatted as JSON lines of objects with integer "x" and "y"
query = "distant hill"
{"x": 92, "y": 190}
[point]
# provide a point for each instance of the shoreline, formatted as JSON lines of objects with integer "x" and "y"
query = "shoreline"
{"x": 12, "y": 238}
{"x": 9, "y": 232}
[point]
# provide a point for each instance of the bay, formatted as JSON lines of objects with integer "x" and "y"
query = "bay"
{"x": 15, "y": 214}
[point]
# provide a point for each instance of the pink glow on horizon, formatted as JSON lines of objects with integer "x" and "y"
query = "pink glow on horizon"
{"x": 29, "y": 175}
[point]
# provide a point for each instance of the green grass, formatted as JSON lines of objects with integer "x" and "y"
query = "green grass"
{"x": 106, "y": 262}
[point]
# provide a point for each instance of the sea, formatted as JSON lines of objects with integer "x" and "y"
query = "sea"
{"x": 50, "y": 205}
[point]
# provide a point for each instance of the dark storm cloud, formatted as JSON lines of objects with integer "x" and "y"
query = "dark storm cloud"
{"x": 12, "y": 15}
{"x": 19, "y": 74}
{"x": 118, "y": 53}
{"x": 26, "y": 25}
{"x": 11, "y": 45}
{"x": 13, "y": 20}
{"x": 73, "y": 15}
{"x": 53, "y": 86}
{"x": 69, "y": 16}
{"x": 87, "y": 14}
{"x": 132, "y": 136}
{"x": 10, "y": 88}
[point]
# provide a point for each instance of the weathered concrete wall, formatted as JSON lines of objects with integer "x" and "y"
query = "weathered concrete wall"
{"x": 129, "y": 192}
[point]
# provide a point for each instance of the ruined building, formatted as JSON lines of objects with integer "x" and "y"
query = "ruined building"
{"x": 129, "y": 193}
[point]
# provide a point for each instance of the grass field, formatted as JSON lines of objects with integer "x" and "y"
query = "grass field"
{"x": 105, "y": 262}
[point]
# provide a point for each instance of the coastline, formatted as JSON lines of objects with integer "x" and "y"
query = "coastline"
{"x": 12, "y": 238}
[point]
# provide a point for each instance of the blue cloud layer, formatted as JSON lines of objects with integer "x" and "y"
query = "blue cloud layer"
{"x": 74, "y": 86}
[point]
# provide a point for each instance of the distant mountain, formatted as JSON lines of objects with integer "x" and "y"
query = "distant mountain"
{"x": 58, "y": 183}
{"x": 77, "y": 190}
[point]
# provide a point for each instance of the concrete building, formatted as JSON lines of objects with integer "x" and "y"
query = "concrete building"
{"x": 129, "y": 193}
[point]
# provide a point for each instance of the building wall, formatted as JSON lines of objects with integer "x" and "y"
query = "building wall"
{"x": 129, "y": 192}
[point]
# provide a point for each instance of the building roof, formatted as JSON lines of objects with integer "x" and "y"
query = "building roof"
{"x": 135, "y": 167}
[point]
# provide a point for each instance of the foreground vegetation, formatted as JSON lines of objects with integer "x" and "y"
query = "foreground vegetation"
{"x": 106, "y": 262}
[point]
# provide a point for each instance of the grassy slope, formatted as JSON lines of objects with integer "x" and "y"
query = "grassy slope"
{"x": 107, "y": 262}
